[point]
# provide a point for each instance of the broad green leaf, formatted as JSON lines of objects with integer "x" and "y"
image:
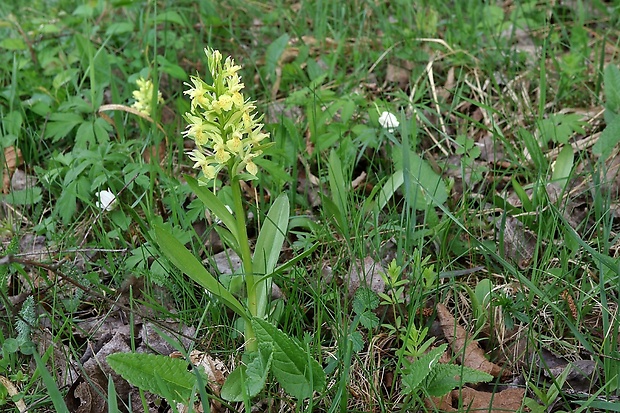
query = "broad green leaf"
{"x": 13, "y": 44}
{"x": 563, "y": 166}
{"x": 190, "y": 265}
{"x": 427, "y": 186}
{"x": 416, "y": 372}
{"x": 608, "y": 139}
{"x": 249, "y": 378}
{"x": 268, "y": 248}
{"x": 274, "y": 51}
{"x": 447, "y": 377}
{"x": 612, "y": 88}
{"x": 215, "y": 205}
{"x": 296, "y": 371}
{"x": 29, "y": 196}
{"x": 170, "y": 68}
{"x": 162, "y": 375}
{"x": 61, "y": 124}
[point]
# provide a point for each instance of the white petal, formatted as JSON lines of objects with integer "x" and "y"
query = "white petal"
{"x": 107, "y": 200}
{"x": 388, "y": 121}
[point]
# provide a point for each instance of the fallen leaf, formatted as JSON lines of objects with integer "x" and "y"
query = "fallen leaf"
{"x": 519, "y": 243}
{"x": 365, "y": 274}
{"x": 506, "y": 401}
{"x": 469, "y": 352}
{"x": 12, "y": 159}
{"x": 397, "y": 74}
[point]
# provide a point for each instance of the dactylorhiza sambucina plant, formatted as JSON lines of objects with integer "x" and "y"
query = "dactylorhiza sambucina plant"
{"x": 229, "y": 137}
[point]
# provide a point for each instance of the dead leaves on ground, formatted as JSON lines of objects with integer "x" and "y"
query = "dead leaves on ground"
{"x": 469, "y": 353}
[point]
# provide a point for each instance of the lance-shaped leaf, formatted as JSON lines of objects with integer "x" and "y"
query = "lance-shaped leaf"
{"x": 189, "y": 264}
{"x": 268, "y": 248}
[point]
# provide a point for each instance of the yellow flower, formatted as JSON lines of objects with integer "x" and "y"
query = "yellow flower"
{"x": 224, "y": 102}
{"x": 198, "y": 93}
{"x": 144, "y": 96}
{"x": 203, "y": 163}
{"x": 251, "y": 167}
{"x": 221, "y": 120}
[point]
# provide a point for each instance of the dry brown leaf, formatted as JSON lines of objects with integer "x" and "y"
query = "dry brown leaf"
{"x": 506, "y": 401}
{"x": 397, "y": 74}
{"x": 470, "y": 353}
{"x": 365, "y": 274}
{"x": 12, "y": 159}
{"x": 519, "y": 243}
{"x": 12, "y": 391}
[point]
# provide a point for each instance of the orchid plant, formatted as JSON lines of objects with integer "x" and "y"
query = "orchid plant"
{"x": 229, "y": 136}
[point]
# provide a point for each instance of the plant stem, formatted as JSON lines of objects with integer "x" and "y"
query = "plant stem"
{"x": 246, "y": 259}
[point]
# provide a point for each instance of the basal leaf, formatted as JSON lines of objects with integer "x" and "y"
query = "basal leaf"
{"x": 268, "y": 248}
{"x": 157, "y": 374}
{"x": 189, "y": 264}
{"x": 296, "y": 371}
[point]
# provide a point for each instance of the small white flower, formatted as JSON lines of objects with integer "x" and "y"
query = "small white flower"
{"x": 107, "y": 200}
{"x": 388, "y": 121}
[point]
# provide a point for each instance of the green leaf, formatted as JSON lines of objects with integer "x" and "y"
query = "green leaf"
{"x": 296, "y": 371}
{"x": 161, "y": 375}
{"x": 369, "y": 319}
{"x": 249, "y": 378}
{"x": 428, "y": 187}
{"x": 416, "y": 372}
{"x": 274, "y": 51}
{"x": 268, "y": 248}
{"x": 215, "y": 205}
{"x": 61, "y": 124}
{"x": 563, "y": 167}
{"x": 608, "y": 139}
{"x": 50, "y": 385}
{"x": 189, "y": 264}
{"x": 29, "y": 196}
{"x": 612, "y": 88}
{"x": 444, "y": 378}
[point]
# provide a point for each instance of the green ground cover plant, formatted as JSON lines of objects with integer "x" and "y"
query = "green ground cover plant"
{"x": 309, "y": 206}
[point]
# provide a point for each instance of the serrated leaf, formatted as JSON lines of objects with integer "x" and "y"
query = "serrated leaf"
{"x": 357, "y": 341}
{"x": 369, "y": 319}
{"x": 421, "y": 368}
{"x": 447, "y": 377}
{"x": 364, "y": 299}
{"x": 157, "y": 374}
{"x": 296, "y": 371}
{"x": 249, "y": 378}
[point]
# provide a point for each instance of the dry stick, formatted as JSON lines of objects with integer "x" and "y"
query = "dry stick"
{"x": 431, "y": 80}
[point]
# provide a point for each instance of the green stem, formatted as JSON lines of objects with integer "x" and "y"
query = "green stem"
{"x": 246, "y": 259}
